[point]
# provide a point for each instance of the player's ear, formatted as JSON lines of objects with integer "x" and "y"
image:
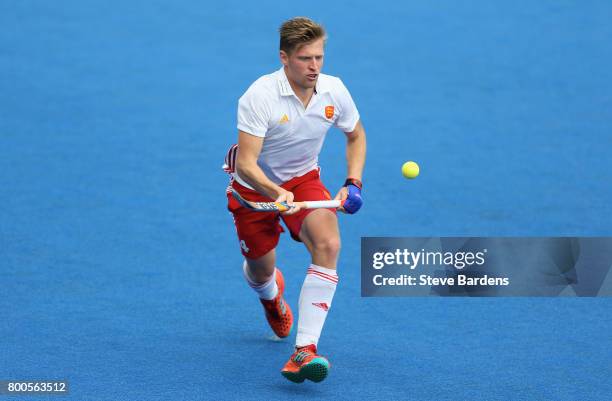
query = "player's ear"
{"x": 284, "y": 57}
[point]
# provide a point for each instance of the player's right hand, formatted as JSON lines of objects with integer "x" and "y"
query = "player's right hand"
{"x": 287, "y": 197}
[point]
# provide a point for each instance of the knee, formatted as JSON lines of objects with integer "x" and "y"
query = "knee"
{"x": 329, "y": 246}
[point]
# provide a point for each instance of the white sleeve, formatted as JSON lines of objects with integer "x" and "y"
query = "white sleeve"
{"x": 253, "y": 114}
{"x": 349, "y": 116}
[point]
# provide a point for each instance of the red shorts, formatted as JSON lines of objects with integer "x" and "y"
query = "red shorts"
{"x": 258, "y": 232}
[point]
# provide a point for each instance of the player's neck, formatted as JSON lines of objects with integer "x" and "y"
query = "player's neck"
{"x": 304, "y": 94}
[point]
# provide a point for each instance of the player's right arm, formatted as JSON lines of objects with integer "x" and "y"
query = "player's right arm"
{"x": 249, "y": 147}
{"x": 254, "y": 111}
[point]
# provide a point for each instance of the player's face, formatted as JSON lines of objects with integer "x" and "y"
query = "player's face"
{"x": 303, "y": 66}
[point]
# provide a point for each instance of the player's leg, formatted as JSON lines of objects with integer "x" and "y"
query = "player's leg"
{"x": 267, "y": 281}
{"x": 260, "y": 274}
{"x": 318, "y": 230}
{"x": 321, "y": 236}
{"x": 261, "y": 269}
{"x": 258, "y": 235}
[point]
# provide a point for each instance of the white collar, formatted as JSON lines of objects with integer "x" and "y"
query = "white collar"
{"x": 287, "y": 90}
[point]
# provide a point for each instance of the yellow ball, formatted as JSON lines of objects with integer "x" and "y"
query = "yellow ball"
{"x": 410, "y": 169}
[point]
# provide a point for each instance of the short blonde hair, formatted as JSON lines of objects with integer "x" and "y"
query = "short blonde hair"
{"x": 298, "y": 31}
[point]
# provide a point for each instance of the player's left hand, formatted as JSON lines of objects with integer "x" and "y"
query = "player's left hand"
{"x": 350, "y": 196}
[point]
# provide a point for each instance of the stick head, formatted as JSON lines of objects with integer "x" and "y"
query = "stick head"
{"x": 261, "y": 206}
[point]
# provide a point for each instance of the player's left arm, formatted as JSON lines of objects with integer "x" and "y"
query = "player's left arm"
{"x": 350, "y": 193}
{"x": 356, "y": 151}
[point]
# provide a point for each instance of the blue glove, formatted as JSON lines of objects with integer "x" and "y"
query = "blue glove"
{"x": 353, "y": 201}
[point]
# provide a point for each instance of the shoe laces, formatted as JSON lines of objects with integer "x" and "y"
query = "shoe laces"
{"x": 273, "y": 305}
{"x": 303, "y": 352}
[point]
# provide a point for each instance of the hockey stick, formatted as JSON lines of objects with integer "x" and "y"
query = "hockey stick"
{"x": 282, "y": 206}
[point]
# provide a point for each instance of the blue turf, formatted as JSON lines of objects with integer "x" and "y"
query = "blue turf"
{"x": 119, "y": 266}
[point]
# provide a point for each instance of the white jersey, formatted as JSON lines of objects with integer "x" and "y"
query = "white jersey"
{"x": 293, "y": 135}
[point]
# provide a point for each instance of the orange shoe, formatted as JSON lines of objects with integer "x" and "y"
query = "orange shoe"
{"x": 278, "y": 312}
{"x": 306, "y": 364}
